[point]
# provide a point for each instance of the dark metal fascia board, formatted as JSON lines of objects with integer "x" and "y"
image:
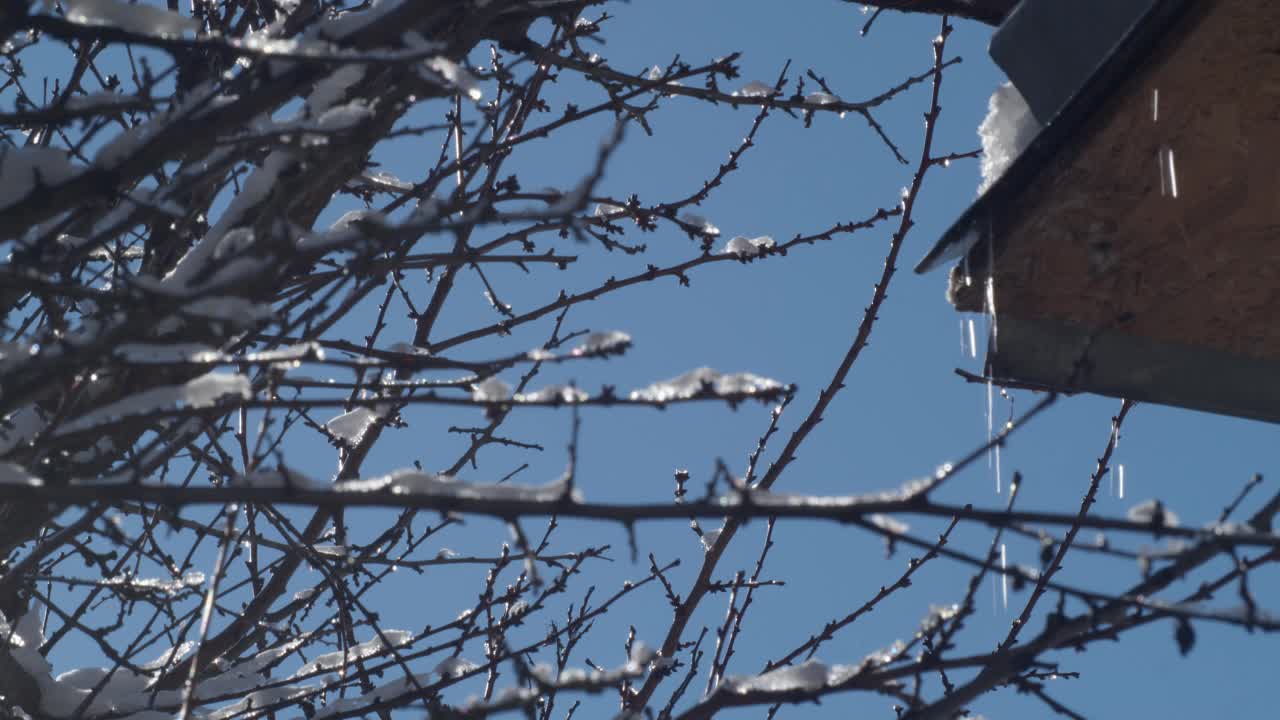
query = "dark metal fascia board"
{"x": 969, "y": 232}
{"x": 1059, "y": 356}
{"x": 1050, "y": 48}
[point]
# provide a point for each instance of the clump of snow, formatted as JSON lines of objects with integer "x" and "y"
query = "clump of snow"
{"x": 938, "y": 614}
{"x": 1007, "y": 130}
{"x": 604, "y": 209}
{"x": 350, "y": 427}
{"x": 891, "y": 525}
{"x": 703, "y": 225}
{"x": 745, "y": 247}
{"x": 602, "y": 342}
{"x": 344, "y": 117}
{"x": 808, "y": 676}
{"x": 203, "y": 391}
{"x": 458, "y": 78}
{"x": 694, "y": 382}
{"x": 24, "y": 170}
{"x": 329, "y": 90}
{"x": 418, "y": 482}
{"x": 452, "y": 667}
{"x": 820, "y": 98}
{"x": 755, "y": 88}
{"x": 139, "y": 18}
{"x": 1153, "y": 512}
{"x": 490, "y": 390}
{"x": 553, "y": 393}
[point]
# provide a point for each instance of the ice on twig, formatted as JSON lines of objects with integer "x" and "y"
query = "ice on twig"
{"x": 1007, "y": 130}
{"x": 755, "y": 88}
{"x": 553, "y": 394}
{"x": 490, "y": 390}
{"x": 694, "y": 382}
{"x": 139, "y": 18}
{"x": 820, "y": 98}
{"x": 603, "y": 209}
{"x": 603, "y": 342}
{"x": 709, "y": 537}
{"x": 419, "y": 482}
{"x": 748, "y": 247}
{"x": 657, "y": 73}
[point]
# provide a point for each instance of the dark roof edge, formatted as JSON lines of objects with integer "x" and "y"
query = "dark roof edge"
{"x": 967, "y": 233}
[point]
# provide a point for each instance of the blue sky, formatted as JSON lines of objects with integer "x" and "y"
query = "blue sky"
{"x": 902, "y": 414}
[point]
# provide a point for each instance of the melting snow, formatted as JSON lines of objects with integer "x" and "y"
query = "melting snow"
{"x": 203, "y": 391}
{"x": 142, "y": 19}
{"x": 490, "y": 390}
{"x": 1006, "y": 131}
{"x": 452, "y": 667}
{"x": 1153, "y": 511}
{"x": 700, "y": 222}
{"x": 553, "y": 393}
{"x": 350, "y": 427}
{"x": 24, "y": 170}
{"x": 747, "y": 247}
{"x": 755, "y": 88}
{"x": 606, "y": 341}
{"x": 809, "y": 676}
{"x": 693, "y": 383}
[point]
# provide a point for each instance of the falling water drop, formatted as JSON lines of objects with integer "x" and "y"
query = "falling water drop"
{"x": 1004, "y": 577}
{"x": 973, "y": 340}
{"x": 1120, "y": 469}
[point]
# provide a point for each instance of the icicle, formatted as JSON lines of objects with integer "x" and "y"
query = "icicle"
{"x": 1004, "y": 577}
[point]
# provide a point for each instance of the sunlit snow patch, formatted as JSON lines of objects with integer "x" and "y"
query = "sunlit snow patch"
{"x": 701, "y": 223}
{"x": 142, "y": 19}
{"x": 490, "y": 390}
{"x": 24, "y": 170}
{"x": 553, "y": 394}
{"x": 748, "y": 247}
{"x": 1007, "y": 130}
{"x": 755, "y": 88}
{"x": 697, "y": 381}
{"x": 603, "y": 342}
